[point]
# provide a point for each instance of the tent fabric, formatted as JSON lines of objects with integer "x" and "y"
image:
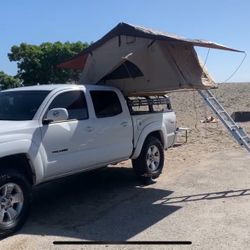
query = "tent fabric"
{"x": 143, "y": 61}
{"x": 76, "y": 63}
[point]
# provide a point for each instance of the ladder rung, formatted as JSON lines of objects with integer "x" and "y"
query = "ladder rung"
{"x": 237, "y": 132}
{"x": 245, "y": 136}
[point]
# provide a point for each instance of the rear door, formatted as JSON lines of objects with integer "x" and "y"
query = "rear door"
{"x": 114, "y": 125}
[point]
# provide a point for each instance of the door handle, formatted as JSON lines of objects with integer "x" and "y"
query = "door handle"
{"x": 89, "y": 129}
{"x": 124, "y": 124}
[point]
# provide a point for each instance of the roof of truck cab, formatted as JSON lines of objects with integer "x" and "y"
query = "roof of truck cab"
{"x": 51, "y": 87}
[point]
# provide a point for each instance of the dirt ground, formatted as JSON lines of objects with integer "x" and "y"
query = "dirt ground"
{"x": 202, "y": 195}
{"x": 205, "y": 138}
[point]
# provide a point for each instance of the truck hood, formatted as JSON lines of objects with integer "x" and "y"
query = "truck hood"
{"x": 16, "y": 129}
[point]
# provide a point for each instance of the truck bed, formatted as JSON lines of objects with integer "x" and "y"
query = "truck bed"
{"x": 148, "y": 112}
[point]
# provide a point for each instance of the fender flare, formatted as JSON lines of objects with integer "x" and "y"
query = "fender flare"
{"x": 31, "y": 150}
{"x": 153, "y": 127}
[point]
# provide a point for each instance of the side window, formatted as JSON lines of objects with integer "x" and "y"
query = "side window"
{"x": 74, "y": 102}
{"x": 106, "y": 103}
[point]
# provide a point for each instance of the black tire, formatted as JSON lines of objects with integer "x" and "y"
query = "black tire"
{"x": 7, "y": 179}
{"x": 140, "y": 165}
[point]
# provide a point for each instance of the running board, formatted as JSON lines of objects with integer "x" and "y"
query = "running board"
{"x": 238, "y": 133}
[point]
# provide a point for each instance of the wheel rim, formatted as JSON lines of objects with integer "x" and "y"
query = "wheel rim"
{"x": 11, "y": 202}
{"x": 153, "y": 158}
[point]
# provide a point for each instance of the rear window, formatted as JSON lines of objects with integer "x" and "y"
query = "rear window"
{"x": 106, "y": 103}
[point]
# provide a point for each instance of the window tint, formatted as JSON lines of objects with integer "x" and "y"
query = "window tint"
{"x": 74, "y": 102}
{"x": 106, "y": 103}
{"x": 20, "y": 105}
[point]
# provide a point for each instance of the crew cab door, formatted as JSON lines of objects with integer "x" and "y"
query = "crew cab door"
{"x": 68, "y": 144}
{"x": 113, "y": 125}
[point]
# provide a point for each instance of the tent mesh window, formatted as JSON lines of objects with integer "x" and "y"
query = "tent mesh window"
{"x": 125, "y": 70}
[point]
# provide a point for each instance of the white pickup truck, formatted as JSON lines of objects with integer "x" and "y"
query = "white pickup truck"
{"x": 51, "y": 131}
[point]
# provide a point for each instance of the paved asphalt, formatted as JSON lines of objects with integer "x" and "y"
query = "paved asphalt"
{"x": 208, "y": 204}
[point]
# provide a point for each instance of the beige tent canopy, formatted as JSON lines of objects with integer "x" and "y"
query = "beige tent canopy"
{"x": 143, "y": 61}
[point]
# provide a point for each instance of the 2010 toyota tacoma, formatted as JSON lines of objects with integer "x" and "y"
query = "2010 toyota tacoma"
{"x": 51, "y": 131}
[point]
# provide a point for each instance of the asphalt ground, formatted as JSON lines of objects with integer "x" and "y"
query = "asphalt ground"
{"x": 207, "y": 203}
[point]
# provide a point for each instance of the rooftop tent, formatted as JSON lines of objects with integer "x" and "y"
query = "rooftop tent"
{"x": 143, "y": 61}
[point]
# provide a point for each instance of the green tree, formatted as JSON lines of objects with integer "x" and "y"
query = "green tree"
{"x": 38, "y": 63}
{"x": 7, "y": 81}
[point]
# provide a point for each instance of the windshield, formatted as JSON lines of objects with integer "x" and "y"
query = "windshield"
{"x": 20, "y": 105}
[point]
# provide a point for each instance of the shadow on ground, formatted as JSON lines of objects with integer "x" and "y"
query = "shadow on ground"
{"x": 206, "y": 196}
{"x": 106, "y": 204}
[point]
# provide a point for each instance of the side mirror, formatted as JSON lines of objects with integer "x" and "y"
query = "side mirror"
{"x": 56, "y": 115}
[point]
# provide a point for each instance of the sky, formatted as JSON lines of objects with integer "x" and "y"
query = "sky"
{"x": 223, "y": 21}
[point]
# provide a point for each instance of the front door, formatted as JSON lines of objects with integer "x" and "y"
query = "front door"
{"x": 68, "y": 143}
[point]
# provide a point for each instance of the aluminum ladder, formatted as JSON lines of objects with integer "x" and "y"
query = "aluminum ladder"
{"x": 236, "y": 131}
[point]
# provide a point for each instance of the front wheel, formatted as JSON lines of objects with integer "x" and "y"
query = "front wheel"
{"x": 149, "y": 164}
{"x": 15, "y": 197}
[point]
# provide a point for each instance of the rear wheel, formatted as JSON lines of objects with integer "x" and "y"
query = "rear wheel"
{"x": 149, "y": 164}
{"x": 15, "y": 197}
